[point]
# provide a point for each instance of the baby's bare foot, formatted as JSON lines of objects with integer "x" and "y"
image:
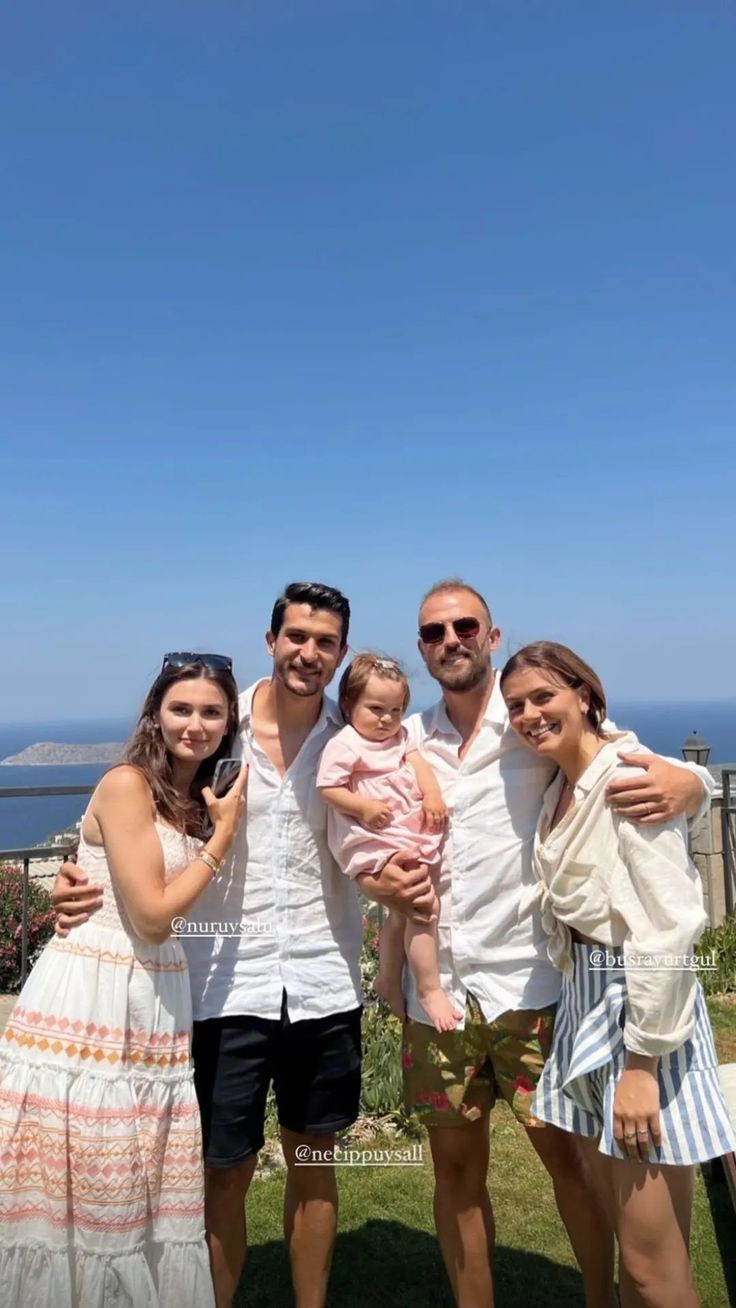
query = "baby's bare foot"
{"x": 439, "y": 1009}
{"x": 390, "y": 991}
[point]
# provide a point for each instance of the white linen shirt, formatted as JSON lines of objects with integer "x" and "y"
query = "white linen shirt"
{"x": 285, "y": 917}
{"x": 490, "y": 933}
{"x": 634, "y": 889}
{"x": 494, "y": 795}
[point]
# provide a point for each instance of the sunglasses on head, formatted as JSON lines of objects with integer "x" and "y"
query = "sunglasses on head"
{"x": 180, "y": 659}
{"x": 431, "y": 633}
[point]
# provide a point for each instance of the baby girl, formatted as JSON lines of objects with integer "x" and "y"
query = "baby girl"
{"x": 384, "y": 799}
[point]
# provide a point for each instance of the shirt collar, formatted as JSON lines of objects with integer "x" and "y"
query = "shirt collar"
{"x": 604, "y": 758}
{"x": 496, "y": 712}
{"x": 438, "y": 722}
{"x": 328, "y": 713}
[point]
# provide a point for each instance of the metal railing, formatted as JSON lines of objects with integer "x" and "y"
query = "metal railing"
{"x": 728, "y": 830}
{"x": 37, "y": 852}
{"x": 33, "y": 854}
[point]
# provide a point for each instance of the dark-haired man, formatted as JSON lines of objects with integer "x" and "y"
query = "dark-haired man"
{"x": 278, "y": 1002}
{"x": 493, "y": 955}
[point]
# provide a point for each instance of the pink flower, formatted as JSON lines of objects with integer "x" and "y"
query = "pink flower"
{"x": 439, "y": 1102}
{"x": 523, "y": 1084}
{"x": 435, "y": 1100}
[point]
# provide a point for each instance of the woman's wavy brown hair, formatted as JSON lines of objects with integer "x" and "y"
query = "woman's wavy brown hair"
{"x": 147, "y": 752}
{"x": 565, "y": 667}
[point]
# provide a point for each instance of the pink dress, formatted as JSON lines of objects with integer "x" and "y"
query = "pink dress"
{"x": 375, "y": 769}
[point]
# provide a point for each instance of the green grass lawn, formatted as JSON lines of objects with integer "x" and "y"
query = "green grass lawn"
{"x": 723, "y": 1020}
{"x": 386, "y": 1252}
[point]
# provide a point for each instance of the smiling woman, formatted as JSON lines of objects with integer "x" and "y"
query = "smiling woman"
{"x": 102, "y": 1191}
{"x": 556, "y": 703}
{"x": 633, "y": 1070}
{"x": 550, "y": 671}
{"x": 189, "y": 717}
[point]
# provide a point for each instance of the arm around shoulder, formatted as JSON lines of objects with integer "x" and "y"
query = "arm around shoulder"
{"x": 702, "y": 792}
{"x": 669, "y": 787}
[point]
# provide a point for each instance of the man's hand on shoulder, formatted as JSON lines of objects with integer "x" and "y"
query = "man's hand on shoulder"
{"x": 664, "y": 792}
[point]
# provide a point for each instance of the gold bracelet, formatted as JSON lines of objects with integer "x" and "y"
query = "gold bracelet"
{"x": 213, "y": 863}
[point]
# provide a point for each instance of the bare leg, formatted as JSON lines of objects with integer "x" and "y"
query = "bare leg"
{"x": 653, "y": 1209}
{"x": 388, "y": 981}
{"x": 599, "y": 1167}
{"x": 583, "y": 1212}
{"x": 224, "y": 1210}
{"x": 421, "y": 951}
{"x": 462, "y": 1210}
{"x": 310, "y": 1218}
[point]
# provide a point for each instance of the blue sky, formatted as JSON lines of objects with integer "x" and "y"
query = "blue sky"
{"x": 371, "y": 293}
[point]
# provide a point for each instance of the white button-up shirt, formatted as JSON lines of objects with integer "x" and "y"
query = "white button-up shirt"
{"x": 491, "y": 942}
{"x": 284, "y": 916}
{"x": 494, "y": 795}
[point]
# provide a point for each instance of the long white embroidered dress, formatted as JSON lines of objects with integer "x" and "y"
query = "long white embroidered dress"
{"x": 101, "y": 1176}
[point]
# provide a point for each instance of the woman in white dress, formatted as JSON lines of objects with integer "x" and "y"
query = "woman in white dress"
{"x": 633, "y": 1069}
{"x": 101, "y": 1176}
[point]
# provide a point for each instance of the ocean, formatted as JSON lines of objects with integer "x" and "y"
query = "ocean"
{"x": 24, "y": 822}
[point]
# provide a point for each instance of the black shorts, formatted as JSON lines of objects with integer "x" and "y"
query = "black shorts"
{"x": 314, "y": 1066}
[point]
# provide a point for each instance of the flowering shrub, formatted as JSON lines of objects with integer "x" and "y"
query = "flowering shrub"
{"x": 369, "y": 958}
{"x": 40, "y": 924}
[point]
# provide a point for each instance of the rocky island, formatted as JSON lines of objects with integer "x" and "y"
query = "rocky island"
{"x": 48, "y": 754}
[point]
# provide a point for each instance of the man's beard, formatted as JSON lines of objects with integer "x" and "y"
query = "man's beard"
{"x": 316, "y": 685}
{"x": 464, "y": 675}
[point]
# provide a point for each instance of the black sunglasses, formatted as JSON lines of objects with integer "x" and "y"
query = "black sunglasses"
{"x": 431, "y": 633}
{"x": 181, "y": 660}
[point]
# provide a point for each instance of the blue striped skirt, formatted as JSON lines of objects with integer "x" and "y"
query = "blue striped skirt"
{"x": 579, "y": 1079}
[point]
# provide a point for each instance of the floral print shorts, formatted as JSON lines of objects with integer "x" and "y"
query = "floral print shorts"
{"x": 451, "y": 1077}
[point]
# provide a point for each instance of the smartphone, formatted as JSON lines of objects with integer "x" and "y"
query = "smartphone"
{"x": 226, "y": 774}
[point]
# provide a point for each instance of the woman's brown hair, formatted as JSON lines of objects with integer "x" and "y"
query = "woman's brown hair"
{"x": 147, "y": 752}
{"x": 564, "y": 666}
{"x": 355, "y": 679}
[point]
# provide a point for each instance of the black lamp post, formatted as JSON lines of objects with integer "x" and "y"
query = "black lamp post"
{"x": 695, "y": 750}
